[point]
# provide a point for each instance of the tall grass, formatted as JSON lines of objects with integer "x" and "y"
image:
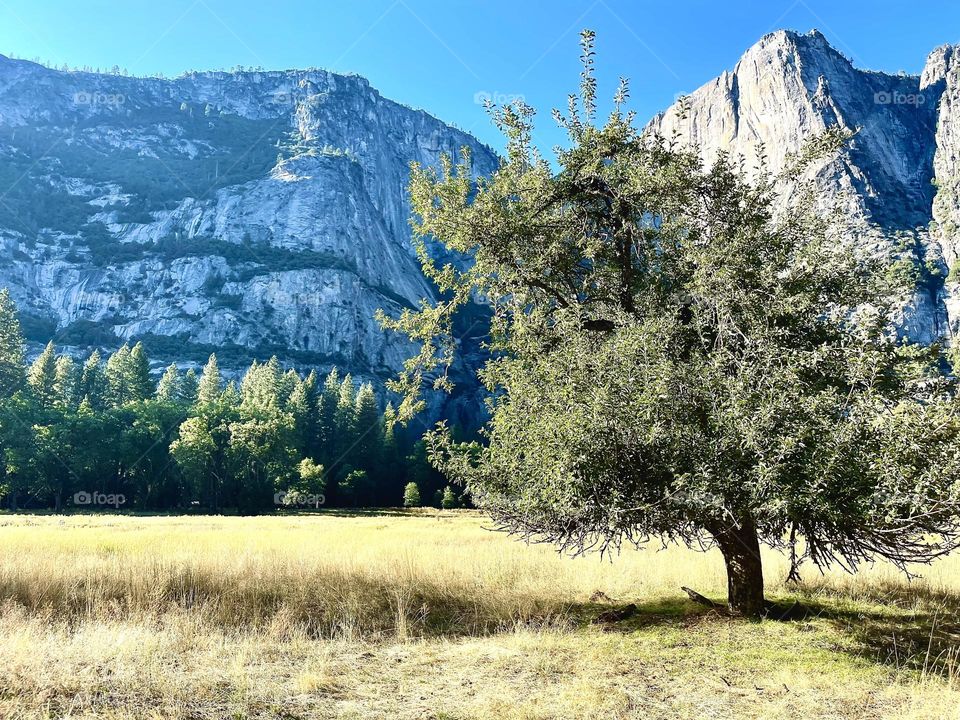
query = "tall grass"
{"x": 431, "y": 615}
{"x": 369, "y": 575}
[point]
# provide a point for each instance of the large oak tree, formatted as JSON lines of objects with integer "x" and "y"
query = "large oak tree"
{"x": 679, "y": 354}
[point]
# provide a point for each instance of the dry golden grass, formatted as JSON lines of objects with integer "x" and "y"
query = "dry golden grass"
{"x": 431, "y": 616}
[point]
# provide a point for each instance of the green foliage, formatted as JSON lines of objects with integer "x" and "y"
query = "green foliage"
{"x": 187, "y": 442}
{"x": 449, "y": 500}
{"x": 679, "y": 354}
{"x": 43, "y": 377}
{"x": 411, "y": 495}
{"x": 12, "y": 375}
{"x": 355, "y": 488}
{"x": 211, "y": 386}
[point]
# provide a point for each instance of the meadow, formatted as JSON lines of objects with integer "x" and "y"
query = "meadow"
{"x": 428, "y": 614}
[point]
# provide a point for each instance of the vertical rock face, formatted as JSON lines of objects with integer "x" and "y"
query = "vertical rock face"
{"x": 254, "y": 212}
{"x": 788, "y": 89}
{"x": 942, "y": 74}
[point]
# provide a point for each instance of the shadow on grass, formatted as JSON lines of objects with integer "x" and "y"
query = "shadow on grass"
{"x": 909, "y": 628}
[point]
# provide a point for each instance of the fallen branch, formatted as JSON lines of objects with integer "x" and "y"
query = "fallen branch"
{"x": 701, "y": 600}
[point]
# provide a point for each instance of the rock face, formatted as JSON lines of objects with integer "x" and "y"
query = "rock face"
{"x": 251, "y": 212}
{"x": 898, "y": 174}
{"x": 265, "y": 212}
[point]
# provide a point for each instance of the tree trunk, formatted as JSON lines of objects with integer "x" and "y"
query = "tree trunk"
{"x": 741, "y": 553}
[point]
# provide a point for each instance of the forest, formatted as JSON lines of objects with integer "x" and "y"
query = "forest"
{"x": 104, "y": 433}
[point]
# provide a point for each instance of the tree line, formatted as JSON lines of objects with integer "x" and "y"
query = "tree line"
{"x": 73, "y": 433}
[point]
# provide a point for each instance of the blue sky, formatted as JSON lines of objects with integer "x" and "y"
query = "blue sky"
{"x": 443, "y": 55}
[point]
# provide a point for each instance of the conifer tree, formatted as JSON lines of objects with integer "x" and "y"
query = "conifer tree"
{"x": 12, "y": 375}
{"x": 298, "y": 405}
{"x": 67, "y": 382}
{"x": 141, "y": 386}
{"x": 43, "y": 377}
{"x": 189, "y": 386}
{"x": 119, "y": 390}
{"x": 368, "y": 443}
{"x": 326, "y": 417}
{"x": 93, "y": 382}
{"x": 345, "y": 423}
{"x": 449, "y": 500}
{"x": 168, "y": 389}
{"x": 210, "y": 386}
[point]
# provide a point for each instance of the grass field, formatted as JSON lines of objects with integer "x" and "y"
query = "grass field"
{"x": 427, "y": 615}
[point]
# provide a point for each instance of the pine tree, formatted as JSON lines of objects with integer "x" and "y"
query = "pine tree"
{"x": 261, "y": 388}
{"x": 210, "y": 387}
{"x": 67, "y": 381}
{"x": 118, "y": 377}
{"x": 43, "y": 377}
{"x": 168, "y": 389}
{"x": 345, "y": 422}
{"x": 141, "y": 387}
{"x": 93, "y": 382}
{"x": 189, "y": 386}
{"x": 449, "y": 499}
{"x": 411, "y": 495}
{"x": 367, "y": 426}
{"x": 326, "y": 417}
{"x": 288, "y": 382}
{"x": 12, "y": 376}
{"x": 298, "y": 405}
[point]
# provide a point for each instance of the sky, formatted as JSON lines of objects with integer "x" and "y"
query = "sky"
{"x": 446, "y": 56}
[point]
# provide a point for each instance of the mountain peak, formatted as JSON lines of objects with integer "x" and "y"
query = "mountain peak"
{"x": 939, "y": 64}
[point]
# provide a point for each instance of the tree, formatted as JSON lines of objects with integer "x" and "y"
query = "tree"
{"x": 678, "y": 353}
{"x": 117, "y": 375}
{"x": 411, "y": 495}
{"x": 309, "y": 485}
{"x": 66, "y": 382}
{"x": 93, "y": 382}
{"x": 302, "y": 406}
{"x": 12, "y": 376}
{"x": 449, "y": 500}
{"x": 261, "y": 459}
{"x": 345, "y": 424}
{"x": 189, "y": 386}
{"x": 43, "y": 377}
{"x": 210, "y": 387}
{"x": 168, "y": 389}
{"x": 194, "y": 451}
{"x": 354, "y": 487}
{"x": 326, "y": 417}
{"x": 366, "y": 418}
{"x": 141, "y": 385}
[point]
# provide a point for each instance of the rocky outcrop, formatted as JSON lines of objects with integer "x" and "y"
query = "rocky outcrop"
{"x": 788, "y": 89}
{"x": 256, "y": 212}
{"x": 942, "y": 74}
